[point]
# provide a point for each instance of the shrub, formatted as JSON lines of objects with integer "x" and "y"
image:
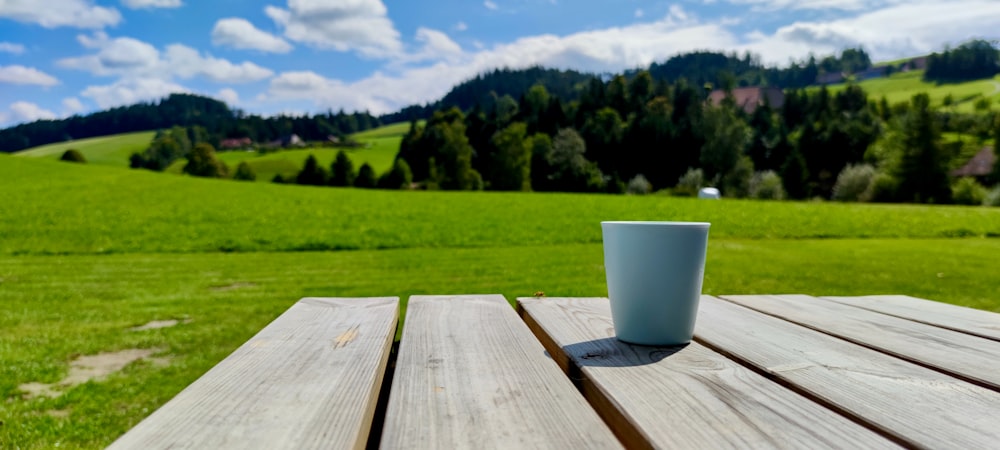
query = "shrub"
{"x": 398, "y": 177}
{"x": 639, "y": 185}
{"x": 883, "y": 188}
{"x": 245, "y": 173}
{"x": 690, "y": 183}
{"x": 967, "y": 191}
{"x": 992, "y": 197}
{"x": 278, "y": 179}
{"x": 202, "y": 162}
{"x": 853, "y": 183}
{"x": 736, "y": 183}
{"x": 312, "y": 174}
{"x": 73, "y": 155}
{"x": 767, "y": 185}
{"x": 366, "y": 177}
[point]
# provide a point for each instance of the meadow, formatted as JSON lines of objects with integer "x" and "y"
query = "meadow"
{"x": 105, "y": 150}
{"x": 900, "y": 87}
{"x": 91, "y": 252}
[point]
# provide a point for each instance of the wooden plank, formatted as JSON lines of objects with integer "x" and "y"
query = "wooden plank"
{"x": 915, "y": 405}
{"x": 690, "y": 397}
{"x": 968, "y": 357}
{"x": 470, "y": 375}
{"x": 310, "y": 379}
{"x": 958, "y": 318}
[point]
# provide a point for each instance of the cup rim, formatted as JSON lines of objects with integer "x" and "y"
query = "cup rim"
{"x": 657, "y": 223}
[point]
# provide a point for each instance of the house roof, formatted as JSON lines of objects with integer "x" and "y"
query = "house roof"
{"x": 750, "y": 98}
{"x": 980, "y": 165}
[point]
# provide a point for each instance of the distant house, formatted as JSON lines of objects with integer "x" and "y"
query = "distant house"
{"x": 915, "y": 64}
{"x": 235, "y": 143}
{"x": 751, "y": 98}
{"x": 874, "y": 72}
{"x": 830, "y": 78}
{"x": 291, "y": 140}
{"x": 979, "y": 167}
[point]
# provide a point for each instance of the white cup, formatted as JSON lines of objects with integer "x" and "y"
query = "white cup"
{"x": 655, "y": 272}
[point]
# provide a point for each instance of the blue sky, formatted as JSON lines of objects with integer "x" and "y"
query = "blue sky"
{"x": 64, "y": 57}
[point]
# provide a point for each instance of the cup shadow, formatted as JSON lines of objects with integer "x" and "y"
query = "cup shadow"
{"x": 610, "y": 352}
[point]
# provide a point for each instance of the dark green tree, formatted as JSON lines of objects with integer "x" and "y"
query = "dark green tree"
{"x": 245, "y": 173}
{"x": 202, "y": 162}
{"x": 73, "y": 155}
{"x": 312, "y": 173}
{"x": 398, "y": 177}
{"x": 511, "y": 168}
{"x": 366, "y": 177}
{"x": 342, "y": 170}
{"x": 570, "y": 169}
{"x": 726, "y": 138}
{"x": 922, "y": 171}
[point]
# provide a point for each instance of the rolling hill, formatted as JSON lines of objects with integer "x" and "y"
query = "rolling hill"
{"x": 900, "y": 87}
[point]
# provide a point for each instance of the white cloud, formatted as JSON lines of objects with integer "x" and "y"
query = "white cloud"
{"x": 228, "y": 95}
{"x": 461, "y": 26}
{"x": 435, "y": 45}
{"x": 10, "y": 47}
{"x": 22, "y": 112}
{"x": 639, "y": 13}
{"x": 186, "y": 62}
{"x": 491, "y": 5}
{"x": 60, "y": 13}
{"x": 148, "y": 4}
{"x": 26, "y": 75}
{"x": 128, "y": 57}
{"x": 241, "y": 34}
{"x": 131, "y": 91}
{"x": 897, "y": 30}
{"x": 847, "y": 5}
{"x": 346, "y": 25}
{"x": 72, "y": 105}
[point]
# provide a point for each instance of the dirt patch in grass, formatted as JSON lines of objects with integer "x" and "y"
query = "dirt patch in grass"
{"x": 91, "y": 368}
{"x": 232, "y": 287}
{"x": 157, "y": 324}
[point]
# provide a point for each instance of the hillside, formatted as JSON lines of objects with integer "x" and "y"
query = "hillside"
{"x": 900, "y": 87}
{"x": 112, "y": 150}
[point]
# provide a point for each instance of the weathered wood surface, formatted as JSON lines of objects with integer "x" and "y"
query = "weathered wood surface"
{"x": 690, "y": 397}
{"x": 913, "y": 404}
{"x": 968, "y": 357}
{"x": 310, "y": 379}
{"x": 966, "y": 320}
{"x": 470, "y": 375}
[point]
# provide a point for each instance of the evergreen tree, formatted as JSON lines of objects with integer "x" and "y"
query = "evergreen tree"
{"x": 342, "y": 170}
{"x": 366, "y": 177}
{"x": 311, "y": 174}
{"x": 922, "y": 171}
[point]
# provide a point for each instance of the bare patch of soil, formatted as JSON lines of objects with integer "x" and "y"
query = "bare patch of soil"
{"x": 157, "y": 324}
{"x": 91, "y": 368}
{"x": 232, "y": 287}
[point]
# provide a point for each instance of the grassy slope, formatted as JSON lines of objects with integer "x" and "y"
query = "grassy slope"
{"x": 63, "y": 297}
{"x": 900, "y": 87}
{"x": 106, "y": 150}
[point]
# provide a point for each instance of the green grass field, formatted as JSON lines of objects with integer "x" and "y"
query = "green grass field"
{"x": 901, "y": 87}
{"x": 106, "y": 150}
{"x": 379, "y": 148}
{"x": 89, "y": 252}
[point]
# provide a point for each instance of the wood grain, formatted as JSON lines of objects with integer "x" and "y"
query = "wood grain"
{"x": 913, "y": 404}
{"x": 968, "y": 357}
{"x": 690, "y": 397}
{"x": 958, "y": 318}
{"x": 470, "y": 375}
{"x": 310, "y": 379}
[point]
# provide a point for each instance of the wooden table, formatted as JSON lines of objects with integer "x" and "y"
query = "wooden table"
{"x": 765, "y": 371}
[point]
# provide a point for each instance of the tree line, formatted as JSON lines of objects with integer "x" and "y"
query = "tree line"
{"x": 185, "y": 110}
{"x": 973, "y": 60}
{"x": 641, "y": 134}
